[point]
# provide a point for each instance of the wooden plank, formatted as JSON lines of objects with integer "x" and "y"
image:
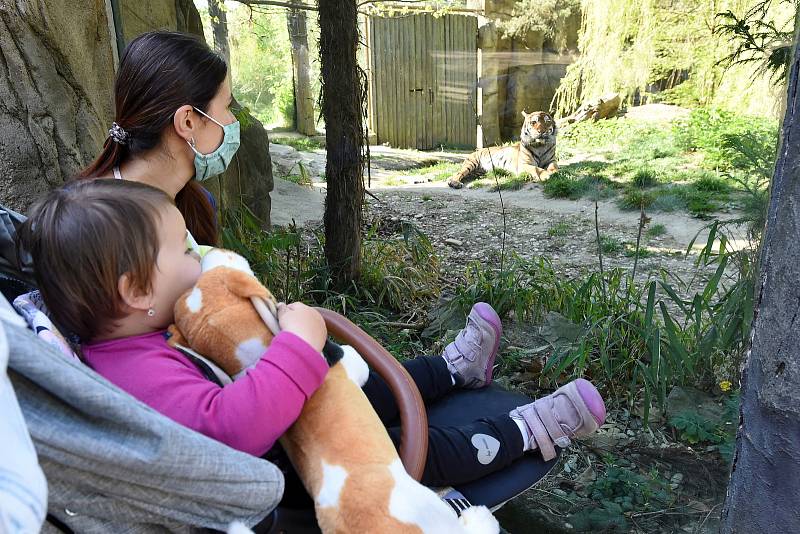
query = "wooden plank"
{"x": 419, "y": 69}
{"x": 399, "y": 58}
{"x": 385, "y": 120}
{"x": 391, "y": 31}
{"x": 413, "y": 118}
{"x": 427, "y": 65}
{"x": 473, "y": 47}
{"x": 441, "y": 78}
{"x": 375, "y": 85}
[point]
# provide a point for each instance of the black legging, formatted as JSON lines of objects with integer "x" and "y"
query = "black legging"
{"x": 456, "y": 454}
{"x": 452, "y": 457}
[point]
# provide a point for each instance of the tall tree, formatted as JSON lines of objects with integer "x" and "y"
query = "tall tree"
{"x": 765, "y": 482}
{"x": 342, "y": 98}
{"x": 303, "y": 98}
{"x": 219, "y": 26}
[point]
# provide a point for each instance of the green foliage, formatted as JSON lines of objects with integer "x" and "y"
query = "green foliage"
{"x": 759, "y": 40}
{"x": 634, "y": 199}
{"x": 577, "y": 181}
{"x": 501, "y": 180}
{"x": 636, "y": 48}
{"x": 303, "y": 144}
{"x": 703, "y": 161}
{"x": 693, "y": 428}
{"x": 634, "y": 339}
{"x": 400, "y": 273}
{"x": 561, "y": 228}
{"x": 546, "y": 16}
{"x": 729, "y": 142}
{"x": 610, "y": 245}
{"x": 618, "y": 491}
{"x": 437, "y": 172}
{"x": 262, "y": 71}
{"x": 645, "y": 177}
{"x": 656, "y": 230}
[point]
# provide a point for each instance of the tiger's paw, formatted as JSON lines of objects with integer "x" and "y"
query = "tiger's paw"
{"x": 552, "y": 167}
{"x": 455, "y": 184}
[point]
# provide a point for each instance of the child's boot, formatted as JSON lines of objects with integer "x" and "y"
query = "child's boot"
{"x": 470, "y": 358}
{"x": 574, "y": 410}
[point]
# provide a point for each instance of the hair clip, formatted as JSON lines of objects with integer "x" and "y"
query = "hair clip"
{"x": 118, "y": 134}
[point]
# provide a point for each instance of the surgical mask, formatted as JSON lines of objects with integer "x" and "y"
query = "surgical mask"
{"x": 215, "y": 163}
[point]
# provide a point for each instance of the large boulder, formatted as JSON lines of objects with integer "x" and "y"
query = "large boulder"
{"x": 56, "y": 93}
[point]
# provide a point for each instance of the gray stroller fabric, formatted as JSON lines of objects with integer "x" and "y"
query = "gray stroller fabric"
{"x": 115, "y": 465}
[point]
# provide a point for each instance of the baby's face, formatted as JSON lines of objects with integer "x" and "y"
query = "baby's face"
{"x": 177, "y": 267}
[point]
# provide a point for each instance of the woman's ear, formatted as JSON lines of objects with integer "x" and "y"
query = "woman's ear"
{"x": 131, "y": 296}
{"x": 185, "y": 122}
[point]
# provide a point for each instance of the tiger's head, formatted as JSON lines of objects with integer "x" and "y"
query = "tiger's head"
{"x": 537, "y": 129}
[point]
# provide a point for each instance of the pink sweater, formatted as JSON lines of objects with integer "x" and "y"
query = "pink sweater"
{"x": 248, "y": 415}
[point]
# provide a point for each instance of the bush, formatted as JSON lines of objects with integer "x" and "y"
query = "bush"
{"x": 634, "y": 199}
{"x": 645, "y": 177}
{"x": 712, "y": 184}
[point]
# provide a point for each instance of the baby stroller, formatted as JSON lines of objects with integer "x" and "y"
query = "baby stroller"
{"x": 115, "y": 465}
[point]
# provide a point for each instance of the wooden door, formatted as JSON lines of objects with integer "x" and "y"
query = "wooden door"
{"x": 424, "y": 80}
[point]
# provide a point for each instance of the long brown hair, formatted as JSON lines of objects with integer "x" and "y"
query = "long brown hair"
{"x": 82, "y": 238}
{"x": 159, "y": 72}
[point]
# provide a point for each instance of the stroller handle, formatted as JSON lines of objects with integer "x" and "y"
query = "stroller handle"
{"x": 413, "y": 417}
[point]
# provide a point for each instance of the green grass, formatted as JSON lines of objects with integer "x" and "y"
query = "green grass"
{"x": 578, "y": 181}
{"x": 501, "y": 180}
{"x": 561, "y": 228}
{"x": 693, "y": 166}
{"x": 645, "y": 177}
{"x": 436, "y": 172}
{"x": 300, "y": 179}
{"x": 656, "y": 230}
{"x": 634, "y": 199}
{"x": 611, "y": 245}
{"x": 303, "y": 144}
{"x": 635, "y": 340}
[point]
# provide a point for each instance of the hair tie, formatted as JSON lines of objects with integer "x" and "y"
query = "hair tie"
{"x": 118, "y": 134}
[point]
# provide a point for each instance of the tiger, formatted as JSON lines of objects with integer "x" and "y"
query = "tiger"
{"x": 534, "y": 154}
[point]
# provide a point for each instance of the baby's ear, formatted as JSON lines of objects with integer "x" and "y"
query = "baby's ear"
{"x": 131, "y": 294}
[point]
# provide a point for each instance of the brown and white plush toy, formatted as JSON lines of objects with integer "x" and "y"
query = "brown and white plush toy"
{"x": 350, "y": 468}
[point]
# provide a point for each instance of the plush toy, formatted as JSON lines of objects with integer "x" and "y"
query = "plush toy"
{"x": 350, "y": 468}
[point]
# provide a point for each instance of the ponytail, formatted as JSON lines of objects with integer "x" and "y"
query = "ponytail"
{"x": 111, "y": 156}
{"x": 201, "y": 220}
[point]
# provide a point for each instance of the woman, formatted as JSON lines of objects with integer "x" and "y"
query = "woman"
{"x": 172, "y": 124}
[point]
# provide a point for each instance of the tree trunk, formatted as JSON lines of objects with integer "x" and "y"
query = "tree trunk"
{"x": 219, "y": 26}
{"x": 303, "y": 99}
{"x": 56, "y": 101}
{"x": 342, "y": 96}
{"x": 764, "y": 490}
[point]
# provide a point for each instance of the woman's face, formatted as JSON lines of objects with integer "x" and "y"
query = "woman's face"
{"x": 209, "y": 134}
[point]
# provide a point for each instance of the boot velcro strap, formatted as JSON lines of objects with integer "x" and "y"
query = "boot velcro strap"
{"x": 538, "y": 431}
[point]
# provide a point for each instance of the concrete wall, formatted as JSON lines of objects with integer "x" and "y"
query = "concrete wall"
{"x": 520, "y": 73}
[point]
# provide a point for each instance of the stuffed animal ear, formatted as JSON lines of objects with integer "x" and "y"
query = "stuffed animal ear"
{"x": 268, "y": 311}
{"x": 244, "y": 285}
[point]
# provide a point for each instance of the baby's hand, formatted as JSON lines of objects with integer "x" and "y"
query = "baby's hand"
{"x": 304, "y": 322}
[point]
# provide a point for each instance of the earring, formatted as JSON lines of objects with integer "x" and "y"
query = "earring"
{"x": 151, "y": 312}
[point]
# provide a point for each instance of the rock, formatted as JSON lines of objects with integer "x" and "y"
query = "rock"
{"x": 688, "y": 399}
{"x": 453, "y": 242}
{"x": 56, "y": 89}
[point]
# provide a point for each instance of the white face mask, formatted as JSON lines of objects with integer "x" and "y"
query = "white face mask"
{"x": 215, "y": 163}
